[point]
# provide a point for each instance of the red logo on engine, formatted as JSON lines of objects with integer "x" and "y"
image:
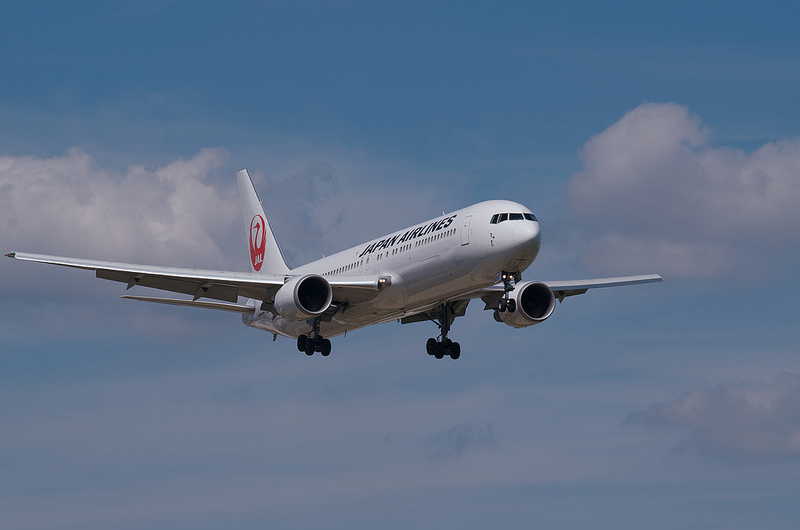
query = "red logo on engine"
{"x": 257, "y": 242}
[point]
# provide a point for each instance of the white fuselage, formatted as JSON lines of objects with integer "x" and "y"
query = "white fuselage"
{"x": 426, "y": 264}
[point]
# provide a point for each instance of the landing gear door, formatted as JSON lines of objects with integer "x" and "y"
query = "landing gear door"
{"x": 465, "y": 228}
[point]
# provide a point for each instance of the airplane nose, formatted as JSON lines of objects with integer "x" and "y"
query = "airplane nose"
{"x": 527, "y": 237}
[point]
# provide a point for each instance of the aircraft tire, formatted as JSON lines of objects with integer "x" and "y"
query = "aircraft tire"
{"x": 501, "y": 305}
{"x": 439, "y": 353}
{"x": 310, "y": 347}
{"x": 511, "y": 306}
{"x": 326, "y": 347}
{"x": 302, "y": 341}
{"x": 455, "y": 351}
{"x": 430, "y": 346}
{"x": 447, "y": 347}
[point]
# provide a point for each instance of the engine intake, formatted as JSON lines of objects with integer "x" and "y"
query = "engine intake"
{"x": 534, "y": 303}
{"x": 303, "y": 297}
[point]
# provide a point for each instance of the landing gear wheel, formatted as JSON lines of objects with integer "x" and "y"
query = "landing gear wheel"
{"x": 430, "y": 346}
{"x": 302, "y": 341}
{"x": 445, "y": 347}
{"x": 325, "y": 349}
{"x": 502, "y": 305}
{"x": 511, "y": 305}
{"x": 310, "y": 347}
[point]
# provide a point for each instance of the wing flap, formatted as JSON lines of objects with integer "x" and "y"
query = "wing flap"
{"x": 236, "y": 308}
{"x": 194, "y": 287}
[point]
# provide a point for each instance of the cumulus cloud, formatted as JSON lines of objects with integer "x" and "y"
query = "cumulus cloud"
{"x": 69, "y": 205}
{"x": 657, "y": 194}
{"x": 750, "y": 419}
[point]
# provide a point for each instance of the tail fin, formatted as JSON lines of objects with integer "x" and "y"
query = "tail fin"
{"x": 265, "y": 254}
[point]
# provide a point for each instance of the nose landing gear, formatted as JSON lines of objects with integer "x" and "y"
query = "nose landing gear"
{"x": 506, "y": 303}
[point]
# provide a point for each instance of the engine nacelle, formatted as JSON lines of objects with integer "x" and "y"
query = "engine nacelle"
{"x": 534, "y": 303}
{"x": 303, "y": 297}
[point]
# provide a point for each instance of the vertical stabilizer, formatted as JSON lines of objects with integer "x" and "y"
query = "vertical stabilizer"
{"x": 265, "y": 253}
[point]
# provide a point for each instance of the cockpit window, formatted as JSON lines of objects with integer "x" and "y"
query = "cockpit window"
{"x": 500, "y": 217}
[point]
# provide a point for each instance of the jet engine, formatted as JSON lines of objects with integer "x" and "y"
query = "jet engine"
{"x": 533, "y": 303}
{"x": 303, "y": 297}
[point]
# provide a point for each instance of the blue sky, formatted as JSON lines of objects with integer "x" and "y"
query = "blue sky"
{"x": 647, "y": 137}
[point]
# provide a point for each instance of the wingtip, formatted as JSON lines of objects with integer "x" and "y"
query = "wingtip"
{"x": 11, "y": 255}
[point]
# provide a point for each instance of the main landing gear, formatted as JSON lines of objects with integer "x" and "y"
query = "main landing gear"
{"x": 445, "y": 346}
{"x": 442, "y": 349}
{"x": 310, "y": 345}
{"x": 314, "y": 342}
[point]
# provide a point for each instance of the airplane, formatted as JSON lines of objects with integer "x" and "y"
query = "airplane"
{"x": 427, "y": 272}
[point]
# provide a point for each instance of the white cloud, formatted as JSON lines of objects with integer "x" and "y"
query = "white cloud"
{"x": 69, "y": 206}
{"x": 658, "y": 195}
{"x": 751, "y": 419}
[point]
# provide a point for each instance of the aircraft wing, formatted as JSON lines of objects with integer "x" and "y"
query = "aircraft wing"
{"x": 220, "y": 285}
{"x": 562, "y": 289}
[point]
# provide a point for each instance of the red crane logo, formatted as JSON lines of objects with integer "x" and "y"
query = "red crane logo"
{"x": 257, "y": 242}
